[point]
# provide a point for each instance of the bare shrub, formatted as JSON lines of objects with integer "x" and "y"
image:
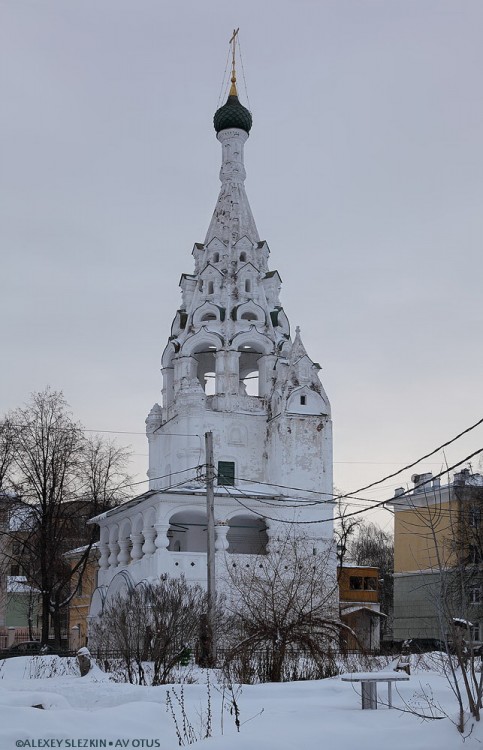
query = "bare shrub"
{"x": 283, "y": 621}
{"x": 144, "y": 634}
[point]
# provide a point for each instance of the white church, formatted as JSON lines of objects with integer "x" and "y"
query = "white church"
{"x": 232, "y": 368}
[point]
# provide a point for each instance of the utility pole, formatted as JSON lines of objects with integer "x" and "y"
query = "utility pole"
{"x": 210, "y": 551}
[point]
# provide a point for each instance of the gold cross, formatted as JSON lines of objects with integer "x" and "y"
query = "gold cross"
{"x": 233, "y": 91}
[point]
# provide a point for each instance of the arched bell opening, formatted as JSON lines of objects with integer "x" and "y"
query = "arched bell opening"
{"x": 249, "y": 374}
{"x": 204, "y": 355}
{"x": 247, "y": 536}
{"x": 187, "y": 532}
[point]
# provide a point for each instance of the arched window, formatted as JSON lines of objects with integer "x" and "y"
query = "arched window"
{"x": 204, "y": 354}
{"x": 248, "y": 285}
{"x": 208, "y": 316}
{"x": 243, "y": 257}
{"x": 247, "y": 536}
{"x": 248, "y": 370}
{"x": 249, "y": 316}
{"x": 187, "y": 532}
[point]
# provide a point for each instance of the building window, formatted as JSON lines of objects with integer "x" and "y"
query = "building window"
{"x": 303, "y": 400}
{"x": 475, "y": 633}
{"x": 226, "y": 473}
{"x": 200, "y": 284}
{"x": 474, "y": 594}
{"x": 474, "y": 554}
{"x": 243, "y": 257}
{"x": 475, "y": 517}
{"x": 15, "y": 570}
{"x": 210, "y": 287}
{"x": 216, "y": 257}
{"x": 362, "y": 583}
{"x": 248, "y": 286}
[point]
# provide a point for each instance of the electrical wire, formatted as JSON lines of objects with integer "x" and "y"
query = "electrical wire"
{"x": 379, "y": 504}
{"x": 379, "y": 481}
{"x": 243, "y": 74}
{"x": 153, "y": 479}
{"x": 423, "y": 458}
{"x": 223, "y": 85}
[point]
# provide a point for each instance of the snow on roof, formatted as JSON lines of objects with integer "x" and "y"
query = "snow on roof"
{"x": 358, "y": 608}
{"x": 462, "y": 622}
{"x": 19, "y": 585}
{"x": 80, "y": 550}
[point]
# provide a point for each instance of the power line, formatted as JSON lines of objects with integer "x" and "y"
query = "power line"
{"x": 352, "y": 513}
{"x": 423, "y": 458}
{"x": 379, "y": 481}
{"x": 108, "y": 432}
{"x": 165, "y": 476}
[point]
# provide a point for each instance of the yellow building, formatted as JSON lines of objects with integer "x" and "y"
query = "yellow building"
{"x": 437, "y": 556}
{"x": 84, "y": 587}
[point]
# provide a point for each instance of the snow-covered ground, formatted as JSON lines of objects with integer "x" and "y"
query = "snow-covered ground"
{"x": 94, "y": 711}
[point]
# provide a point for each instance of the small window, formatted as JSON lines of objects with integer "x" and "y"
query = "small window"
{"x": 248, "y": 285}
{"x": 303, "y": 400}
{"x": 200, "y": 285}
{"x": 243, "y": 257}
{"x": 474, "y": 594}
{"x": 226, "y": 473}
{"x": 210, "y": 287}
{"x": 474, "y": 554}
{"x": 356, "y": 583}
{"x": 208, "y": 316}
{"x": 216, "y": 257}
{"x": 475, "y": 517}
{"x": 370, "y": 584}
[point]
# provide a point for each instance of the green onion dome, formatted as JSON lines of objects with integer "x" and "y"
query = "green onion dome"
{"x": 232, "y": 115}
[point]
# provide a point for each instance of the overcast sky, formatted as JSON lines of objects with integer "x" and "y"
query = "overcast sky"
{"x": 365, "y": 176}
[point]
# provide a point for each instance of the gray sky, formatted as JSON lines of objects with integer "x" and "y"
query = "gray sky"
{"x": 364, "y": 175}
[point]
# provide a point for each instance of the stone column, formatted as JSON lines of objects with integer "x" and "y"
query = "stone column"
{"x": 114, "y": 551}
{"x": 221, "y": 542}
{"x": 168, "y": 386}
{"x": 124, "y": 557}
{"x": 137, "y": 546}
{"x": 149, "y": 546}
{"x": 227, "y": 373}
{"x": 161, "y": 541}
{"x": 265, "y": 374}
{"x": 104, "y": 558}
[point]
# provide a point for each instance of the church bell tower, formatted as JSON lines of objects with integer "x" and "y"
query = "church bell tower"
{"x": 231, "y": 365}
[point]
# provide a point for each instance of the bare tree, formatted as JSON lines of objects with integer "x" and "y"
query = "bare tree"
{"x": 447, "y": 526}
{"x": 283, "y": 607}
{"x": 375, "y": 547}
{"x": 344, "y": 531}
{"x": 59, "y": 480}
{"x": 6, "y": 453}
{"x": 151, "y": 623}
